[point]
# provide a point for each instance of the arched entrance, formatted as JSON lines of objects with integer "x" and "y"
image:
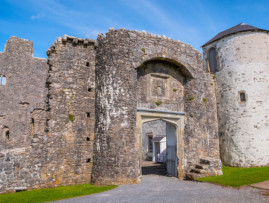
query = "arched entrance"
{"x": 173, "y": 152}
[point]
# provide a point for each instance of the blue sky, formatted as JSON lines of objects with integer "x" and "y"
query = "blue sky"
{"x": 190, "y": 21}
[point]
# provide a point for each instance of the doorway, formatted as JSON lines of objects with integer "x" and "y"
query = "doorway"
{"x": 163, "y": 132}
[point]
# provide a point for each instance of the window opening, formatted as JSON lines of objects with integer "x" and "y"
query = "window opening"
{"x": 6, "y": 133}
{"x": 150, "y": 147}
{"x": 3, "y": 79}
{"x": 242, "y": 96}
{"x": 88, "y": 160}
{"x": 32, "y": 126}
{"x": 88, "y": 114}
{"x": 212, "y": 60}
{"x": 89, "y": 89}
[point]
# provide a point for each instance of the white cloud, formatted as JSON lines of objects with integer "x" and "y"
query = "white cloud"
{"x": 39, "y": 15}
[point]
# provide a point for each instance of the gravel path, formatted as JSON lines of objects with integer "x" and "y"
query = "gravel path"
{"x": 165, "y": 189}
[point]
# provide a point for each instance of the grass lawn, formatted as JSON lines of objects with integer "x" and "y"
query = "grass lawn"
{"x": 52, "y": 194}
{"x": 237, "y": 177}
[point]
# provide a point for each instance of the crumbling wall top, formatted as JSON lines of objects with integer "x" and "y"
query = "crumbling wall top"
{"x": 73, "y": 40}
{"x": 19, "y": 46}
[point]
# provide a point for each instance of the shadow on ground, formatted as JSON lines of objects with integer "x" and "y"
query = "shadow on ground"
{"x": 150, "y": 168}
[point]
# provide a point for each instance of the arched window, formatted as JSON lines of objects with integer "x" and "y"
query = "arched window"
{"x": 212, "y": 60}
{"x": 3, "y": 80}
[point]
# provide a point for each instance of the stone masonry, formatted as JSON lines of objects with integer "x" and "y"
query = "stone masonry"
{"x": 243, "y": 125}
{"x": 72, "y": 118}
{"x": 124, "y": 58}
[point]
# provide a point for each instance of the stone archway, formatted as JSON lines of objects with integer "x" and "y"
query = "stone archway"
{"x": 172, "y": 117}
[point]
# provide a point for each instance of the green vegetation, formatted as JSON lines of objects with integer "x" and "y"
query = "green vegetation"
{"x": 144, "y": 50}
{"x": 175, "y": 89}
{"x": 237, "y": 177}
{"x": 191, "y": 98}
{"x": 204, "y": 99}
{"x": 158, "y": 103}
{"x": 191, "y": 115}
{"x": 53, "y": 194}
{"x": 71, "y": 117}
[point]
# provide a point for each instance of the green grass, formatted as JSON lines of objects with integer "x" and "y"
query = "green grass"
{"x": 52, "y": 194}
{"x": 237, "y": 177}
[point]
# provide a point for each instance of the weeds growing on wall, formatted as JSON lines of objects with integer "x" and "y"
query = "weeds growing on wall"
{"x": 158, "y": 103}
{"x": 71, "y": 117}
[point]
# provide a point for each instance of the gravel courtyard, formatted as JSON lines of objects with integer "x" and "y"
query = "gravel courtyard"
{"x": 166, "y": 189}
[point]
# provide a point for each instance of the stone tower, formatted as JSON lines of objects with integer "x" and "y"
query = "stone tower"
{"x": 239, "y": 60}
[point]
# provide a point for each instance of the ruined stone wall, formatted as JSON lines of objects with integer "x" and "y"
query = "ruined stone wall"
{"x": 116, "y": 147}
{"x": 71, "y": 118}
{"x": 66, "y": 128}
{"x": 22, "y": 116}
{"x": 48, "y": 107}
{"x": 243, "y": 125}
{"x": 23, "y": 93}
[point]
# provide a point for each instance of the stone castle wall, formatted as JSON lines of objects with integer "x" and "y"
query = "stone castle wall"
{"x": 22, "y": 115}
{"x": 48, "y": 107}
{"x": 72, "y": 118}
{"x": 243, "y": 126}
{"x": 119, "y": 57}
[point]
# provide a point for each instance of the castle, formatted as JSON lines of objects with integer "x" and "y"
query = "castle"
{"x": 91, "y": 111}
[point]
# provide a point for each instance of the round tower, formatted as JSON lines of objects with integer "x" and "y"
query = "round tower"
{"x": 238, "y": 59}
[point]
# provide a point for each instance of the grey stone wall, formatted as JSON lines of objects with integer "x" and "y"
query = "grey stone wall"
{"x": 23, "y": 113}
{"x": 116, "y": 146}
{"x": 120, "y": 54}
{"x": 71, "y": 118}
{"x": 23, "y": 93}
{"x": 49, "y": 109}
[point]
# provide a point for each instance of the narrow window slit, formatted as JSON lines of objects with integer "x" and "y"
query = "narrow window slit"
{"x": 87, "y": 64}
{"x": 32, "y": 126}
{"x": 6, "y": 133}
{"x": 242, "y": 97}
{"x": 88, "y": 114}
{"x": 88, "y": 160}
{"x": 88, "y": 139}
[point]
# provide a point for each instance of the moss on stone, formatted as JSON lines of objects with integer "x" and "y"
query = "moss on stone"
{"x": 71, "y": 117}
{"x": 158, "y": 103}
{"x": 175, "y": 89}
{"x": 144, "y": 50}
{"x": 191, "y": 98}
